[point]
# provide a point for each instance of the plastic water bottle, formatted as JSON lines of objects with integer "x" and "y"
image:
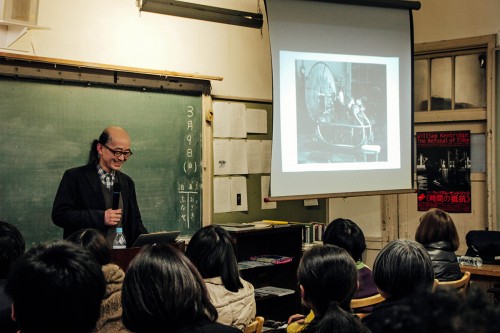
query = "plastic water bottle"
{"x": 470, "y": 261}
{"x": 119, "y": 242}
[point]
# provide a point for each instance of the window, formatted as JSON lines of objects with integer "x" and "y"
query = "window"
{"x": 451, "y": 81}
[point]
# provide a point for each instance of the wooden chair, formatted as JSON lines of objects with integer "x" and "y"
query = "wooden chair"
{"x": 461, "y": 285}
{"x": 255, "y": 326}
{"x": 364, "y": 302}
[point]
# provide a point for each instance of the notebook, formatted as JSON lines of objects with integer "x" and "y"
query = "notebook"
{"x": 156, "y": 238}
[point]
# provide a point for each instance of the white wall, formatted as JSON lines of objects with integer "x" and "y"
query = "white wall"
{"x": 114, "y": 32}
{"x": 439, "y": 20}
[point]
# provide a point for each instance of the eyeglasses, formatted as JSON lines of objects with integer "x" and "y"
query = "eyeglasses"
{"x": 119, "y": 153}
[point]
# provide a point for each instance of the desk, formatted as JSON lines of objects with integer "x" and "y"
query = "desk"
{"x": 485, "y": 277}
{"x": 285, "y": 241}
{"x": 490, "y": 272}
{"x": 123, "y": 257}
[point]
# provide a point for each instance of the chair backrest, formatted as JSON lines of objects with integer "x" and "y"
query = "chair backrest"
{"x": 462, "y": 285}
{"x": 367, "y": 301}
{"x": 255, "y": 326}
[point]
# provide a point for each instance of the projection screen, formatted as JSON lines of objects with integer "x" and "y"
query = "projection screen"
{"x": 342, "y": 108}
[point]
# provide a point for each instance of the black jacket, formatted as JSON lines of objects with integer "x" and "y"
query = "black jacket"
{"x": 444, "y": 260}
{"x": 79, "y": 203}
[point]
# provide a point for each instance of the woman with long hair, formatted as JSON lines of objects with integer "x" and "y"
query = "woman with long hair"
{"x": 163, "y": 292}
{"x": 328, "y": 280}
{"x": 438, "y": 234}
{"x": 211, "y": 251}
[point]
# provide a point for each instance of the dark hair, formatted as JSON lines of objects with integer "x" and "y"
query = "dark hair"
{"x": 328, "y": 275}
{"x": 403, "y": 267}
{"x": 436, "y": 225}
{"x": 211, "y": 251}
{"x": 94, "y": 241}
{"x": 346, "y": 234}
{"x": 56, "y": 287}
{"x": 11, "y": 247}
{"x": 163, "y": 291}
{"x": 104, "y": 138}
{"x": 437, "y": 312}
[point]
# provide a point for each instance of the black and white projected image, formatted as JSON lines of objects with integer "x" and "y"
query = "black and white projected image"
{"x": 341, "y": 112}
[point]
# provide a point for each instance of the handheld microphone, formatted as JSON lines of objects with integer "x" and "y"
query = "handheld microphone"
{"x": 117, "y": 188}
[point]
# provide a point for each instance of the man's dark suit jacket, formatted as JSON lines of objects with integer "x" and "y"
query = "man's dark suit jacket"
{"x": 79, "y": 203}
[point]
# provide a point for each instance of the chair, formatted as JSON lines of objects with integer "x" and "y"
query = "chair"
{"x": 255, "y": 326}
{"x": 364, "y": 302}
{"x": 461, "y": 285}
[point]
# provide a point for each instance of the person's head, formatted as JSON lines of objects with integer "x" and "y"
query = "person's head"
{"x": 402, "y": 268}
{"x": 56, "y": 287}
{"x": 11, "y": 247}
{"x": 426, "y": 311}
{"x": 162, "y": 291}
{"x": 211, "y": 251}
{"x": 327, "y": 277}
{"x": 94, "y": 241}
{"x": 327, "y": 273}
{"x": 436, "y": 225}
{"x": 112, "y": 149}
{"x": 346, "y": 234}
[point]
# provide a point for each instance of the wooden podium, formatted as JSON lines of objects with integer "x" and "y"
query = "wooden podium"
{"x": 123, "y": 257}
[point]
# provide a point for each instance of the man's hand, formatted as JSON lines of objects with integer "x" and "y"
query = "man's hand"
{"x": 112, "y": 217}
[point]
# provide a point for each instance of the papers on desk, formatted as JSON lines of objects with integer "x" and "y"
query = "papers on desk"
{"x": 275, "y": 291}
{"x": 272, "y": 258}
{"x": 237, "y": 226}
{"x": 247, "y": 264}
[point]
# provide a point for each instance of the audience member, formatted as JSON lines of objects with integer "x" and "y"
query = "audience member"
{"x": 349, "y": 236}
{"x": 401, "y": 269}
{"x": 111, "y": 306}
{"x": 211, "y": 251}
{"x": 11, "y": 247}
{"x": 439, "y": 312}
{"x": 327, "y": 278}
{"x": 163, "y": 292}
{"x": 56, "y": 287}
{"x": 438, "y": 234}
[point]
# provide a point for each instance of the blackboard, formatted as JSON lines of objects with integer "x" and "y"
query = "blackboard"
{"x": 47, "y": 127}
{"x": 290, "y": 210}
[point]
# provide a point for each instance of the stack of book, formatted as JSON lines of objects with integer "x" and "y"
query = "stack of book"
{"x": 274, "y": 291}
{"x": 312, "y": 232}
{"x": 246, "y": 264}
{"x": 272, "y": 259}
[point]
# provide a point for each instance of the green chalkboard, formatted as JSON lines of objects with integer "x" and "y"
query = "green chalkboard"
{"x": 46, "y": 128}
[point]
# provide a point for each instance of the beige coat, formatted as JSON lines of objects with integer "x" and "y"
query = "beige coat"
{"x": 235, "y": 309}
{"x": 111, "y": 307}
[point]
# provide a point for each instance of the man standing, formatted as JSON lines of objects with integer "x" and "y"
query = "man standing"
{"x": 98, "y": 195}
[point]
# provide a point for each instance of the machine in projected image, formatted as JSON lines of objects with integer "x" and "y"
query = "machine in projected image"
{"x": 342, "y": 112}
{"x": 343, "y": 126}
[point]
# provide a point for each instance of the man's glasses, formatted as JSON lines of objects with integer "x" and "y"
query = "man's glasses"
{"x": 119, "y": 153}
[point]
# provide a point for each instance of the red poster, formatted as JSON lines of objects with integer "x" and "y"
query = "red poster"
{"x": 443, "y": 171}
